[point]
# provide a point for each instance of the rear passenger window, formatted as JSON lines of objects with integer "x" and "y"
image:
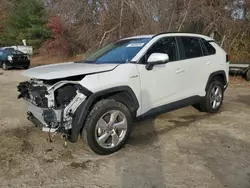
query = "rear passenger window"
{"x": 192, "y": 47}
{"x": 209, "y": 47}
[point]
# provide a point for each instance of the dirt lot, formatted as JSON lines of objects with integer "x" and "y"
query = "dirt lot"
{"x": 181, "y": 149}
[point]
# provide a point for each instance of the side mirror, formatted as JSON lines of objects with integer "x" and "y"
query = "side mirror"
{"x": 156, "y": 59}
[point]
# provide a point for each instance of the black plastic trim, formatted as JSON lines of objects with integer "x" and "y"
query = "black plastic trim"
{"x": 84, "y": 109}
{"x": 211, "y": 41}
{"x": 214, "y": 74}
{"x": 85, "y": 91}
{"x": 170, "y": 107}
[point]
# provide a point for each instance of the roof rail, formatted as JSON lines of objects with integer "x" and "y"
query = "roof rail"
{"x": 174, "y": 33}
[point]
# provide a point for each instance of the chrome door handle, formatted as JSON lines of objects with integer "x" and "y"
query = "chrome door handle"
{"x": 178, "y": 71}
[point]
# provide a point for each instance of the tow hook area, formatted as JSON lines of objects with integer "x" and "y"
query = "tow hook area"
{"x": 65, "y": 137}
{"x": 52, "y": 131}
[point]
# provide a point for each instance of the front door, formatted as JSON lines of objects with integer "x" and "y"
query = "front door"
{"x": 162, "y": 85}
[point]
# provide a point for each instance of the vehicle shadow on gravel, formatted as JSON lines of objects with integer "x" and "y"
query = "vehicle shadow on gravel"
{"x": 141, "y": 164}
{"x": 245, "y": 99}
{"x": 226, "y": 156}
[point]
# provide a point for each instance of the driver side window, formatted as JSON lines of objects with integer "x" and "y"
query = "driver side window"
{"x": 165, "y": 45}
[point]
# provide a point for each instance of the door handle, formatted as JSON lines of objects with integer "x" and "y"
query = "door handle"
{"x": 209, "y": 63}
{"x": 179, "y": 71}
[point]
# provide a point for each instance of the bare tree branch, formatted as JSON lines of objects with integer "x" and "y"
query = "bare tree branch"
{"x": 105, "y": 33}
{"x": 120, "y": 22}
{"x": 185, "y": 17}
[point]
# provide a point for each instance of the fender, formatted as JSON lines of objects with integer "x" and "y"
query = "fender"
{"x": 214, "y": 74}
{"x": 84, "y": 109}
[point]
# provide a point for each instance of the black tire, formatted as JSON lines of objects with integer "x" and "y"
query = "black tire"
{"x": 5, "y": 66}
{"x": 248, "y": 75}
{"x": 205, "y": 104}
{"x": 26, "y": 67}
{"x": 89, "y": 130}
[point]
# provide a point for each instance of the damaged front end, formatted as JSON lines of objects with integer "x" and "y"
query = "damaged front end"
{"x": 52, "y": 106}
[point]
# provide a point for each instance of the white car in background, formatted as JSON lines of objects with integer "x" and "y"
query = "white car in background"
{"x": 132, "y": 78}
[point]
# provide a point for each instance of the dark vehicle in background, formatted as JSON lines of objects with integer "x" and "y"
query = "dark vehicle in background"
{"x": 11, "y": 58}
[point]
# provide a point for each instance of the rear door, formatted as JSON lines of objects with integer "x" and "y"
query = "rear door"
{"x": 196, "y": 65}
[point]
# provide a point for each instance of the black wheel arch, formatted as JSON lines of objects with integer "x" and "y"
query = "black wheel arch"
{"x": 123, "y": 94}
{"x": 218, "y": 74}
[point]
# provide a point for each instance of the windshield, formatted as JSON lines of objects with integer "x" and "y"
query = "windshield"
{"x": 119, "y": 52}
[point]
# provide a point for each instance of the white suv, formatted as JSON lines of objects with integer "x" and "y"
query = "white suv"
{"x": 131, "y": 78}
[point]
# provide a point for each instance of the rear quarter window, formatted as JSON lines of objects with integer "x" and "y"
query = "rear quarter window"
{"x": 209, "y": 49}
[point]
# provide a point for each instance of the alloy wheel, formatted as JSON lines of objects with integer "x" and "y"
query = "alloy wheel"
{"x": 111, "y": 129}
{"x": 216, "y": 97}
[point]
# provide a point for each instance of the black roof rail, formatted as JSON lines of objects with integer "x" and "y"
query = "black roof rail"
{"x": 175, "y": 32}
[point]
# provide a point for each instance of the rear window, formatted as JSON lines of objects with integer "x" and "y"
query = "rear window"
{"x": 13, "y": 52}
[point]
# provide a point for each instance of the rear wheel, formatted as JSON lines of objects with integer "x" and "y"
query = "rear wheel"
{"x": 5, "y": 66}
{"x": 108, "y": 127}
{"x": 248, "y": 75}
{"x": 213, "y": 100}
{"x": 26, "y": 67}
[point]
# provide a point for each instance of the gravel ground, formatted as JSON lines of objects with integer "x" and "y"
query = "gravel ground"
{"x": 181, "y": 149}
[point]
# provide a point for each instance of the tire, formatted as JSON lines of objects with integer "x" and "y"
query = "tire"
{"x": 5, "y": 66}
{"x": 26, "y": 67}
{"x": 248, "y": 75}
{"x": 94, "y": 131}
{"x": 212, "y": 103}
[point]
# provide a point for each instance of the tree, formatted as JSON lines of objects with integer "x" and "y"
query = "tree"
{"x": 27, "y": 20}
{"x": 58, "y": 43}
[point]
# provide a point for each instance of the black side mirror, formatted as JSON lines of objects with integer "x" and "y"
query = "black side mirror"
{"x": 156, "y": 59}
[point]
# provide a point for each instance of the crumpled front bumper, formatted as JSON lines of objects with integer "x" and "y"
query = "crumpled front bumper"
{"x": 45, "y": 117}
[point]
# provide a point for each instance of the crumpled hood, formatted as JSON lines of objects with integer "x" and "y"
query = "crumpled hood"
{"x": 64, "y": 70}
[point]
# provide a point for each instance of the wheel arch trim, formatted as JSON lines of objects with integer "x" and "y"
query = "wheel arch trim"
{"x": 84, "y": 109}
{"x": 213, "y": 75}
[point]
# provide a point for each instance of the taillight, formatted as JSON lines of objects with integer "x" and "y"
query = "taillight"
{"x": 228, "y": 59}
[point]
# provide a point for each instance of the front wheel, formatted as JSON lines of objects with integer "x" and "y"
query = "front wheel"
{"x": 108, "y": 127}
{"x": 213, "y": 100}
{"x": 5, "y": 66}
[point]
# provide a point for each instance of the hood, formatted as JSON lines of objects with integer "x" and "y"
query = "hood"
{"x": 64, "y": 70}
